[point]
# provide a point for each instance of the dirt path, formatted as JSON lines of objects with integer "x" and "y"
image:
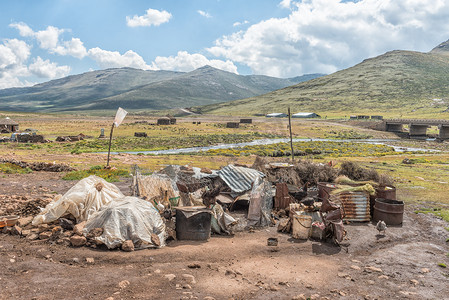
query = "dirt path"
{"x": 403, "y": 264}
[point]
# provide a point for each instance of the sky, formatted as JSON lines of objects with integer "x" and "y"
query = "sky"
{"x": 41, "y": 40}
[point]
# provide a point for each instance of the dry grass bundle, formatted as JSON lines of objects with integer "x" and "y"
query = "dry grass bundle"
{"x": 355, "y": 172}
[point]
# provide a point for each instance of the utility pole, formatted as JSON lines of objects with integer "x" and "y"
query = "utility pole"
{"x": 290, "y": 128}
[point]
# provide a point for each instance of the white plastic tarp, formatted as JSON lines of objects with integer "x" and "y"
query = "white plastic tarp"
{"x": 81, "y": 201}
{"x": 127, "y": 218}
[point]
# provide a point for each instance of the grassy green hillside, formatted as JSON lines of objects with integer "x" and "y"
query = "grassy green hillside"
{"x": 139, "y": 89}
{"x": 397, "y": 83}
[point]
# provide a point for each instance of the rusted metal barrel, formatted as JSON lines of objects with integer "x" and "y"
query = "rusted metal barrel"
{"x": 355, "y": 206}
{"x": 388, "y": 210}
{"x": 324, "y": 189}
{"x": 384, "y": 192}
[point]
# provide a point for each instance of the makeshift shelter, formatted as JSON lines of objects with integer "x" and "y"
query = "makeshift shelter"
{"x": 128, "y": 218}
{"x": 8, "y": 125}
{"x": 232, "y": 125}
{"x": 305, "y": 115}
{"x": 81, "y": 201}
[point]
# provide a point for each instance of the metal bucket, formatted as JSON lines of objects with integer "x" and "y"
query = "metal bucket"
{"x": 389, "y": 211}
{"x": 302, "y": 226}
{"x": 193, "y": 223}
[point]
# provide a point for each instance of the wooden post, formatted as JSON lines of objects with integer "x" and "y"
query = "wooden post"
{"x": 110, "y": 141}
{"x": 290, "y": 128}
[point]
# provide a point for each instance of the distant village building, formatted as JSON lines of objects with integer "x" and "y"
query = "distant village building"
{"x": 276, "y": 115}
{"x": 305, "y": 115}
{"x": 7, "y": 125}
{"x": 362, "y": 117}
{"x": 232, "y": 125}
{"x": 377, "y": 117}
{"x": 163, "y": 121}
{"x": 246, "y": 121}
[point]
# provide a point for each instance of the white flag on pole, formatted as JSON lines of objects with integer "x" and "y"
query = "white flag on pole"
{"x": 119, "y": 116}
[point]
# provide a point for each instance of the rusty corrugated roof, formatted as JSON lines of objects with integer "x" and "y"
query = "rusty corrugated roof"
{"x": 8, "y": 121}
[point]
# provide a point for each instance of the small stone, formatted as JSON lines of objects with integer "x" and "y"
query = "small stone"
{"x": 12, "y": 260}
{"x": 76, "y": 260}
{"x": 155, "y": 240}
{"x": 42, "y": 227}
{"x": 32, "y": 236}
{"x": 315, "y": 297}
{"x": 78, "y": 241}
{"x": 230, "y": 272}
{"x": 123, "y": 284}
{"x": 208, "y": 298}
{"x": 22, "y": 222}
{"x": 16, "y": 230}
{"x": 356, "y": 261}
{"x": 90, "y": 260}
{"x": 109, "y": 298}
{"x": 157, "y": 271}
{"x": 78, "y": 228}
{"x": 414, "y": 281}
{"x": 57, "y": 230}
{"x": 194, "y": 266}
{"x": 187, "y": 286}
{"x": 95, "y": 232}
{"x": 341, "y": 293}
{"x": 189, "y": 278}
{"x": 273, "y": 288}
{"x": 371, "y": 282}
{"x": 373, "y": 269}
{"x": 26, "y": 232}
{"x": 170, "y": 277}
{"x": 425, "y": 270}
{"x": 355, "y": 267}
{"x": 383, "y": 277}
{"x": 283, "y": 283}
{"x": 128, "y": 246}
{"x": 45, "y": 235}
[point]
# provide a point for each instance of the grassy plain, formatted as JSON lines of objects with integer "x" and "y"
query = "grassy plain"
{"x": 424, "y": 183}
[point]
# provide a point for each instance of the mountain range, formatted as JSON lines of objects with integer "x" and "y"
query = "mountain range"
{"x": 397, "y": 83}
{"x": 139, "y": 89}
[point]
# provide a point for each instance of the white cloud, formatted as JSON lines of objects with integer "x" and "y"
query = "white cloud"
{"x": 285, "y": 3}
{"x": 328, "y": 35}
{"x": 49, "y": 39}
{"x": 187, "y": 62}
{"x": 13, "y": 56}
{"x": 113, "y": 59}
{"x": 73, "y": 48}
{"x": 46, "y": 69}
{"x": 204, "y": 14}
{"x": 240, "y": 23}
{"x": 152, "y": 17}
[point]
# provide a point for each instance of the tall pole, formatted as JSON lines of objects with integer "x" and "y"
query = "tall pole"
{"x": 290, "y": 128}
{"x": 110, "y": 141}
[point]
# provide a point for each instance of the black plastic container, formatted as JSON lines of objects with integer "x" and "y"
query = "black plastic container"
{"x": 193, "y": 223}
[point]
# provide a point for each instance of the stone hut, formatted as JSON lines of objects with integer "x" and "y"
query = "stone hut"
{"x": 7, "y": 125}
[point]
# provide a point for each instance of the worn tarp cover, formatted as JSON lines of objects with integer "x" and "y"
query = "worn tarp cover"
{"x": 81, "y": 201}
{"x": 154, "y": 186}
{"x": 261, "y": 203}
{"x": 127, "y": 218}
{"x": 239, "y": 179}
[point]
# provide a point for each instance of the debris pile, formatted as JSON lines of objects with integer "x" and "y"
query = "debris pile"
{"x": 306, "y": 200}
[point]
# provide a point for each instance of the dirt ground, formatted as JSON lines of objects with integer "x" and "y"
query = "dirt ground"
{"x": 401, "y": 264}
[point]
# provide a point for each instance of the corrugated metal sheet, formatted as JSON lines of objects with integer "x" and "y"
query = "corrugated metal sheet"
{"x": 239, "y": 179}
{"x": 356, "y": 206}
